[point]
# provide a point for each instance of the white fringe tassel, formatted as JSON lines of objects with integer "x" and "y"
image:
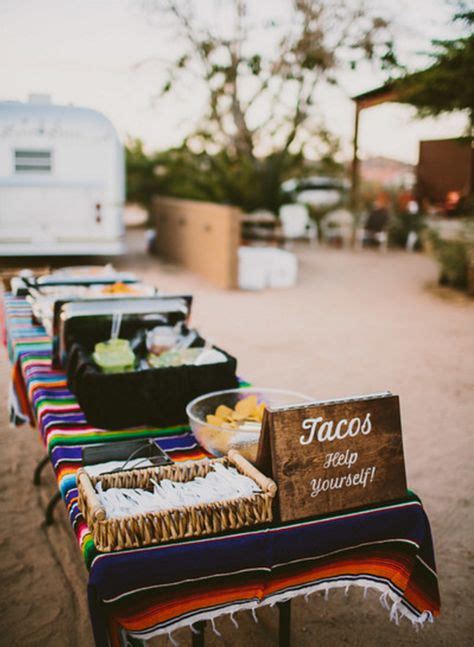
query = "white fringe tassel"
{"x": 388, "y": 599}
{"x": 214, "y": 628}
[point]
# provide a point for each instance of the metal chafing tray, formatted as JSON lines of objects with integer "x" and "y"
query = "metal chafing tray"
{"x": 26, "y": 280}
{"x": 90, "y": 320}
{"x": 43, "y": 297}
{"x": 83, "y": 275}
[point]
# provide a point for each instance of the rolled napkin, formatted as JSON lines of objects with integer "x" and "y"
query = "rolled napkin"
{"x": 220, "y": 484}
{"x": 210, "y": 356}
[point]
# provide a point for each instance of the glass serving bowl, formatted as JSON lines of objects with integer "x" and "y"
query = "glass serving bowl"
{"x": 219, "y": 440}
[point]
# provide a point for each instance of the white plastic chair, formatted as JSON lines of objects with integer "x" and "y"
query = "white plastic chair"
{"x": 296, "y": 223}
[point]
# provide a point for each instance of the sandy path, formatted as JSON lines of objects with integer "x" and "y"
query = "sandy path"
{"x": 357, "y": 322}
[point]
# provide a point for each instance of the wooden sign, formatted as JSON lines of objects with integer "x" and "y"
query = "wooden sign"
{"x": 334, "y": 455}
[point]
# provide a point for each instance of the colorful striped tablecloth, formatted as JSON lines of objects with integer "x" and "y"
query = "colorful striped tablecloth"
{"x": 144, "y": 592}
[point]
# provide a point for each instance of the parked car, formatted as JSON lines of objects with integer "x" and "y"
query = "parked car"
{"x": 61, "y": 180}
{"x": 316, "y": 191}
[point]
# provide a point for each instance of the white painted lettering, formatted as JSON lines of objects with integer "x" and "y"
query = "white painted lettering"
{"x": 342, "y": 423}
{"x": 330, "y": 430}
{"x": 355, "y": 422}
{"x": 366, "y": 425}
{"x": 311, "y": 424}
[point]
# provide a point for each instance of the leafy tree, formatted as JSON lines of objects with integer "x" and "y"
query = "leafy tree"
{"x": 182, "y": 173}
{"x": 448, "y": 84}
{"x": 141, "y": 179}
{"x": 261, "y": 120}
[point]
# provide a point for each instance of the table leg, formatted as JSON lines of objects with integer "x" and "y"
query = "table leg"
{"x": 284, "y": 623}
{"x": 198, "y": 633}
{"x": 135, "y": 642}
{"x": 38, "y": 469}
{"x": 48, "y": 513}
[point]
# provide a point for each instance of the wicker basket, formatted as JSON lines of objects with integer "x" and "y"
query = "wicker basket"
{"x": 200, "y": 520}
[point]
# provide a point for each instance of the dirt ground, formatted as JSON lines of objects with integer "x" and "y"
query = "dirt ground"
{"x": 355, "y": 323}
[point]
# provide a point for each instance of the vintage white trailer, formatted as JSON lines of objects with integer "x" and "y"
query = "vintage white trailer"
{"x": 61, "y": 181}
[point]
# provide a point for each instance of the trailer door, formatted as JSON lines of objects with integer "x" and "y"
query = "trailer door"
{"x": 40, "y": 214}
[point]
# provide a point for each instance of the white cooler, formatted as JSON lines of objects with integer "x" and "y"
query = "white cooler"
{"x": 266, "y": 267}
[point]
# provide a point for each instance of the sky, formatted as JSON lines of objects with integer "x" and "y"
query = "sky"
{"x": 110, "y": 55}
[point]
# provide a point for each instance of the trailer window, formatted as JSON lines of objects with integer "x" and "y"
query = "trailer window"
{"x": 33, "y": 161}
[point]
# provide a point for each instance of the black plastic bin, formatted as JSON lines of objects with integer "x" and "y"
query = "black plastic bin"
{"x": 152, "y": 397}
{"x": 144, "y": 397}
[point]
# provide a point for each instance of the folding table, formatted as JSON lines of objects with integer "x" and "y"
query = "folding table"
{"x": 144, "y": 592}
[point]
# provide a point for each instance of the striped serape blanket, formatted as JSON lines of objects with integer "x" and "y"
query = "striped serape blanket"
{"x": 155, "y": 590}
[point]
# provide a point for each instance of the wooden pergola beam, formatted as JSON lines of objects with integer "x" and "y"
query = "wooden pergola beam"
{"x": 369, "y": 99}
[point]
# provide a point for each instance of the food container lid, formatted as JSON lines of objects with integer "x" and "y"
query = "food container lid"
{"x": 84, "y": 275}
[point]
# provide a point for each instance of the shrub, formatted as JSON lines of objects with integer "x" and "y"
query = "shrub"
{"x": 401, "y": 224}
{"x": 453, "y": 256}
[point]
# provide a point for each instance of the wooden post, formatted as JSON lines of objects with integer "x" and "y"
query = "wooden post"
{"x": 355, "y": 162}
